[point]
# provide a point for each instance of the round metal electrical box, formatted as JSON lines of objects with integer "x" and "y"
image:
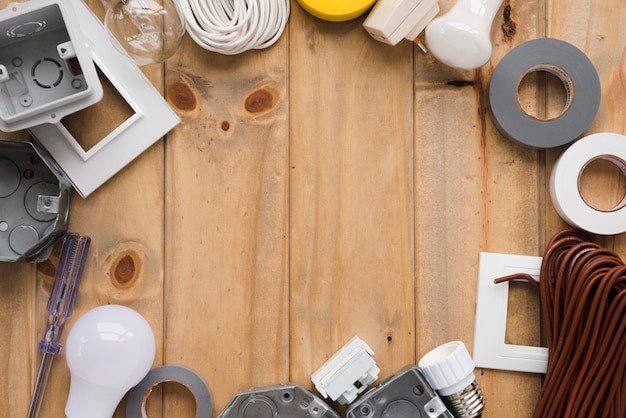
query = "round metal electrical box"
{"x": 34, "y": 202}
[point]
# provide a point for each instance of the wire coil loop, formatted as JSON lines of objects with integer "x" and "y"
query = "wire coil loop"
{"x": 583, "y": 299}
{"x": 231, "y": 27}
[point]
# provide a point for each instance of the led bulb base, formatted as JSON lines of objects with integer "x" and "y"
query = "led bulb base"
{"x": 467, "y": 403}
{"x": 84, "y": 395}
{"x": 449, "y": 369}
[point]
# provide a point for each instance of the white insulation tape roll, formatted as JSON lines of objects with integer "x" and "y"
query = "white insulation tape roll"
{"x": 565, "y": 183}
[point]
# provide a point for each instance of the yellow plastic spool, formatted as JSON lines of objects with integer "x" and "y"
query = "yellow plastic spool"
{"x": 336, "y": 10}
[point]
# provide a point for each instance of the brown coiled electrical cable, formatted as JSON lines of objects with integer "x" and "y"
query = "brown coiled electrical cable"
{"x": 583, "y": 300}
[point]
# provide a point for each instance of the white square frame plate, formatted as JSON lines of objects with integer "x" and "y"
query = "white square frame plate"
{"x": 490, "y": 349}
{"x": 152, "y": 118}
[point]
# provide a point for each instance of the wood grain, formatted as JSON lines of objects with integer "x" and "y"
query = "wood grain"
{"x": 227, "y": 219}
{"x": 326, "y": 187}
{"x": 351, "y": 264}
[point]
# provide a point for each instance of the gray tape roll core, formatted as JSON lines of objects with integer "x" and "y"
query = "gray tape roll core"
{"x": 569, "y": 64}
{"x": 138, "y": 395}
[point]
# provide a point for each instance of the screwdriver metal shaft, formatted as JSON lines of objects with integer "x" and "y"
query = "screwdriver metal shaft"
{"x": 60, "y": 306}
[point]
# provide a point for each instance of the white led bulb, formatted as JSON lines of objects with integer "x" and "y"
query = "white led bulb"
{"x": 109, "y": 350}
{"x": 460, "y": 38}
{"x": 450, "y": 371}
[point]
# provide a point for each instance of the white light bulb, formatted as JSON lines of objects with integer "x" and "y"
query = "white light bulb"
{"x": 461, "y": 37}
{"x": 109, "y": 350}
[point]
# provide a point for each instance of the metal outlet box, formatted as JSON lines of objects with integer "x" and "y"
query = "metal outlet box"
{"x": 34, "y": 202}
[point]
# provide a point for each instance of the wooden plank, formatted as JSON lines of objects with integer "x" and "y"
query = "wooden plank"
{"x": 351, "y": 217}
{"x": 125, "y": 262}
{"x": 597, "y": 28}
{"x": 327, "y": 187}
{"x": 18, "y": 352}
{"x": 477, "y": 192}
{"x": 227, "y": 313}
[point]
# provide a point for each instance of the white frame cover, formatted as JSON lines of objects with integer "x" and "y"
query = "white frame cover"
{"x": 490, "y": 349}
{"x": 153, "y": 117}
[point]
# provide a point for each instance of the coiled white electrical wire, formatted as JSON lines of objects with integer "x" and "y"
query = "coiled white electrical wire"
{"x": 233, "y": 26}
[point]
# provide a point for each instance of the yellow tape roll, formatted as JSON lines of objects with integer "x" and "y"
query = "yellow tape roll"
{"x": 336, "y": 10}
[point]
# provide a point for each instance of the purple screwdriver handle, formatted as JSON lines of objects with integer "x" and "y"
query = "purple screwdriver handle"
{"x": 64, "y": 290}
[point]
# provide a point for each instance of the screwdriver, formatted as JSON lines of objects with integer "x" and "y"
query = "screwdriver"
{"x": 60, "y": 305}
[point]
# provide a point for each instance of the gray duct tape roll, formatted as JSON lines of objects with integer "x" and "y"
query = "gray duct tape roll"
{"x": 561, "y": 59}
{"x": 138, "y": 396}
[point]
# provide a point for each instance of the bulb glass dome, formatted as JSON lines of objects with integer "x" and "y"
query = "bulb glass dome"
{"x": 147, "y": 31}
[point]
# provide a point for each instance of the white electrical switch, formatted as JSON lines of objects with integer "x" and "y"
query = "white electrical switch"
{"x": 347, "y": 373}
{"x": 390, "y": 21}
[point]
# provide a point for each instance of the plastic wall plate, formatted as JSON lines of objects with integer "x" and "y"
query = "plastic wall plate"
{"x": 46, "y": 71}
{"x": 490, "y": 349}
{"x": 152, "y": 118}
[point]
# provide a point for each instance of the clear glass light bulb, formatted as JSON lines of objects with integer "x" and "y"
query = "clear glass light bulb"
{"x": 109, "y": 350}
{"x": 147, "y": 31}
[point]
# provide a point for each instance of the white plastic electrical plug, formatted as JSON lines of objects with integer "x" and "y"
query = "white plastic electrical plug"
{"x": 390, "y": 21}
{"x": 347, "y": 373}
{"x": 460, "y": 38}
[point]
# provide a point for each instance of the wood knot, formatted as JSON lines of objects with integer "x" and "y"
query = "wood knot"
{"x": 260, "y": 101}
{"x": 460, "y": 83}
{"x": 508, "y": 27}
{"x": 181, "y": 96}
{"x": 125, "y": 269}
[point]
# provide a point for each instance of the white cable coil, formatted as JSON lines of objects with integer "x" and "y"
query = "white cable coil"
{"x": 234, "y": 26}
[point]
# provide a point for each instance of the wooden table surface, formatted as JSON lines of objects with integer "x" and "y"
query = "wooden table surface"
{"x": 326, "y": 187}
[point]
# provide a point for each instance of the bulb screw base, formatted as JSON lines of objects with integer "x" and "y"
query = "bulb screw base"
{"x": 467, "y": 403}
{"x": 449, "y": 369}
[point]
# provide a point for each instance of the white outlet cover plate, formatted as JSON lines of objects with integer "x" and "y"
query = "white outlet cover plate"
{"x": 152, "y": 118}
{"x": 490, "y": 349}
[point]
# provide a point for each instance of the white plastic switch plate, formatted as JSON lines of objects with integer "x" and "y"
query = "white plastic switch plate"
{"x": 152, "y": 118}
{"x": 490, "y": 349}
{"x": 46, "y": 71}
{"x": 390, "y": 21}
{"x": 347, "y": 373}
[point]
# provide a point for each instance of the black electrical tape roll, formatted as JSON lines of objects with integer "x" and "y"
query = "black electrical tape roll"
{"x": 561, "y": 59}
{"x": 138, "y": 395}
